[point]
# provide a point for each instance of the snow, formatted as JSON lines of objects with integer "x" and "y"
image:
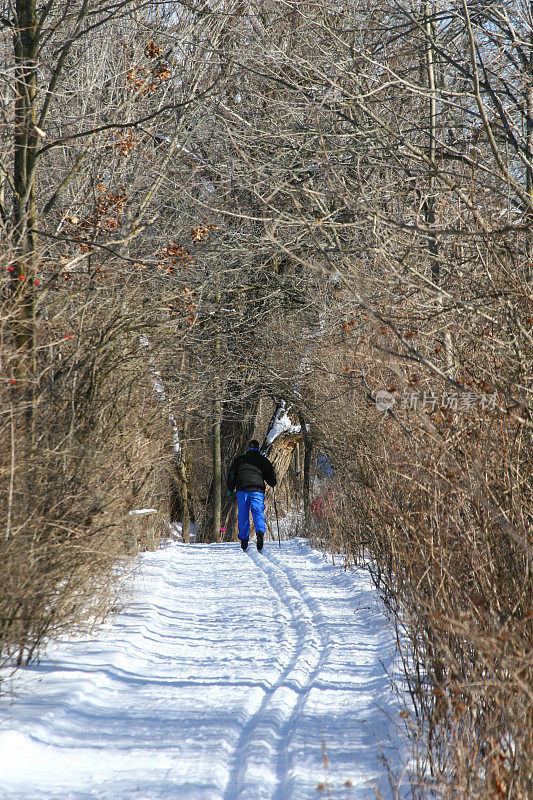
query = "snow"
{"x": 176, "y": 529}
{"x": 282, "y": 424}
{"x": 230, "y": 676}
{"x": 159, "y": 389}
{"x": 176, "y": 444}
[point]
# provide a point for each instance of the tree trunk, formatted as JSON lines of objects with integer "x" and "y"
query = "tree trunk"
{"x": 186, "y": 518}
{"x": 308, "y": 451}
{"x": 217, "y": 469}
{"x": 529, "y": 168}
{"x": 429, "y": 206}
{"x": 280, "y": 454}
{"x": 25, "y": 41}
{"x": 184, "y": 475}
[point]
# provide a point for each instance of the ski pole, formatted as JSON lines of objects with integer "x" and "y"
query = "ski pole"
{"x": 276, "y": 510}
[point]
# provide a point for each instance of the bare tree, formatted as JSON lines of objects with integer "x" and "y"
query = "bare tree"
{"x": 386, "y": 146}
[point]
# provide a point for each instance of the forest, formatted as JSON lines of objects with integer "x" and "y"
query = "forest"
{"x": 222, "y": 216}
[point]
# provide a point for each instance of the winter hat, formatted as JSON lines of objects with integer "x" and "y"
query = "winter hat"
{"x": 253, "y": 444}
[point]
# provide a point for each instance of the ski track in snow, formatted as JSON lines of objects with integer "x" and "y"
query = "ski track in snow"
{"x": 231, "y": 676}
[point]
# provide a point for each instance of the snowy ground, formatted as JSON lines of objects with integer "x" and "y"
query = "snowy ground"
{"x": 231, "y": 676}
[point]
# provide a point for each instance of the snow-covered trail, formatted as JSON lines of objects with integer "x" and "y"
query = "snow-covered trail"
{"x": 231, "y": 676}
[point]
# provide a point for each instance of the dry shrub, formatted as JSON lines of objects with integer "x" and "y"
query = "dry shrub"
{"x": 439, "y": 499}
{"x": 83, "y": 443}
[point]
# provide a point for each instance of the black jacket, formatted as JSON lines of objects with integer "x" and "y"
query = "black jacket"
{"x": 249, "y": 472}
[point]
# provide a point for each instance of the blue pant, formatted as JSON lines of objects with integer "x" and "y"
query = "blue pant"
{"x": 254, "y": 502}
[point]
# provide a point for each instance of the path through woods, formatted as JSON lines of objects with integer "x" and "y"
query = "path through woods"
{"x": 230, "y": 676}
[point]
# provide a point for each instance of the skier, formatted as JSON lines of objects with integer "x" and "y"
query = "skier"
{"x": 246, "y": 477}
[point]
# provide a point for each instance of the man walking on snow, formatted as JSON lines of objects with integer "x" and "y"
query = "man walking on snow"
{"x": 246, "y": 476}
